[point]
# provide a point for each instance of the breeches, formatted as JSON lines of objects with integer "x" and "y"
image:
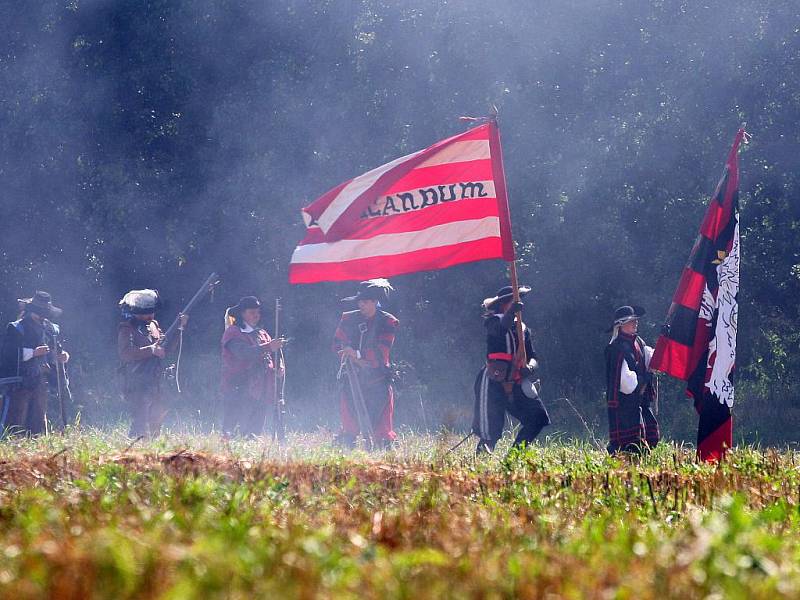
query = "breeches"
{"x": 492, "y": 403}
{"x": 631, "y": 424}
{"x": 147, "y": 412}
{"x": 26, "y": 411}
{"x": 244, "y": 412}
{"x": 379, "y": 402}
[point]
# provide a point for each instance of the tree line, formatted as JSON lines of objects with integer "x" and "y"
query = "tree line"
{"x": 147, "y": 144}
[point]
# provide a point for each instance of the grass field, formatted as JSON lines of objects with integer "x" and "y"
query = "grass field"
{"x": 88, "y": 515}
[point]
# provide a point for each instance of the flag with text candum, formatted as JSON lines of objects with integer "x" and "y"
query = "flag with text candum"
{"x": 698, "y": 342}
{"x": 438, "y": 207}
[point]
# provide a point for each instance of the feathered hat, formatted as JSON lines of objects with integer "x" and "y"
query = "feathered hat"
{"x": 503, "y": 294}
{"x": 140, "y": 302}
{"x": 372, "y": 289}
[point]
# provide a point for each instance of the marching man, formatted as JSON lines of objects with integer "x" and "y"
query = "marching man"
{"x": 503, "y": 386}
{"x": 365, "y": 337}
{"x": 630, "y": 392}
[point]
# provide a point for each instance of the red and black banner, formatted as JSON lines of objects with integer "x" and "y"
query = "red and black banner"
{"x": 698, "y": 342}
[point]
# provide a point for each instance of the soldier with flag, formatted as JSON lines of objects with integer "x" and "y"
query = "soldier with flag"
{"x": 504, "y": 386}
{"x": 698, "y": 340}
{"x": 630, "y": 388}
{"x": 363, "y": 341}
{"x": 441, "y": 206}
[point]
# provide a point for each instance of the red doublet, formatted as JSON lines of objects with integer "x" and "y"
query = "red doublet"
{"x": 375, "y": 346}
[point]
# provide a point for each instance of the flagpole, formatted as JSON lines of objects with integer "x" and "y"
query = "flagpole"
{"x": 522, "y": 357}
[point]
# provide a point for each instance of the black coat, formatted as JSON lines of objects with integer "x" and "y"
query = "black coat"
{"x": 24, "y": 333}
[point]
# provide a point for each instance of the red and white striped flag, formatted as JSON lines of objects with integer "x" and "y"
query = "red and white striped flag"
{"x": 438, "y": 207}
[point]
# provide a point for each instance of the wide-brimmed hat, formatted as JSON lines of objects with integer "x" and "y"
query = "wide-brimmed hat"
{"x": 372, "y": 289}
{"x": 42, "y": 304}
{"x": 140, "y": 302}
{"x": 504, "y": 294}
{"x": 627, "y": 313}
{"x": 245, "y": 303}
{"x": 233, "y": 314}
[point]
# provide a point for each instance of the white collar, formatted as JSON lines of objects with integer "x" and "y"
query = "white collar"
{"x": 247, "y": 328}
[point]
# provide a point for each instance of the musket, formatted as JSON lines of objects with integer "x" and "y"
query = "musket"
{"x": 62, "y": 380}
{"x": 347, "y": 368}
{"x": 154, "y": 366}
{"x": 208, "y": 286}
{"x": 277, "y": 387}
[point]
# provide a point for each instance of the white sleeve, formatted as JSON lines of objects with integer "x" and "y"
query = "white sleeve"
{"x": 648, "y": 354}
{"x": 27, "y": 354}
{"x": 627, "y": 379}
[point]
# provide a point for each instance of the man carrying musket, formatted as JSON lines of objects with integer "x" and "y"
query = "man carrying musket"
{"x": 139, "y": 345}
{"x": 365, "y": 338}
{"x": 248, "y": 371}
{"x": 503, "y": 385}
{"x": 630, "y": 392}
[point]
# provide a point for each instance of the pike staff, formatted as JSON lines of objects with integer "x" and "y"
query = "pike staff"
{"x": 279, "y": 380}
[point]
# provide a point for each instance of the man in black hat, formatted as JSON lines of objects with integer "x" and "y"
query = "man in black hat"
{"x": 365, "y": 337}
{"x": 248, "y": 371}
{"x": 630, "y": 389}
{"x": 27, "y": 354}
{"x": 503, "y": 385}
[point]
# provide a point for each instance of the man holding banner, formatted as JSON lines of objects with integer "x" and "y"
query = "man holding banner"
{"x": 441, "y": 206}
{"x": 505, "y": 384}
{"x": 698, "y": 343}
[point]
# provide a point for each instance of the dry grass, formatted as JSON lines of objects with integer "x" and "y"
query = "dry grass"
{"x": 87, "y": 515}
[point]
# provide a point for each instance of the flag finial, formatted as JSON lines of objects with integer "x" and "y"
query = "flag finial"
{"x": 490, "y": 118}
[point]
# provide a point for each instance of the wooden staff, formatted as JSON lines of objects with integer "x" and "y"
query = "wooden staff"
{"x": 522, "y": 355}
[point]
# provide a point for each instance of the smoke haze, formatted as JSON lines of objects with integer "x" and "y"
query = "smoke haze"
{"x": 148, "y": 144}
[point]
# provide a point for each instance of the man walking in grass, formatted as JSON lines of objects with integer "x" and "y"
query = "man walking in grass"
{"x": 502, "y": 386}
